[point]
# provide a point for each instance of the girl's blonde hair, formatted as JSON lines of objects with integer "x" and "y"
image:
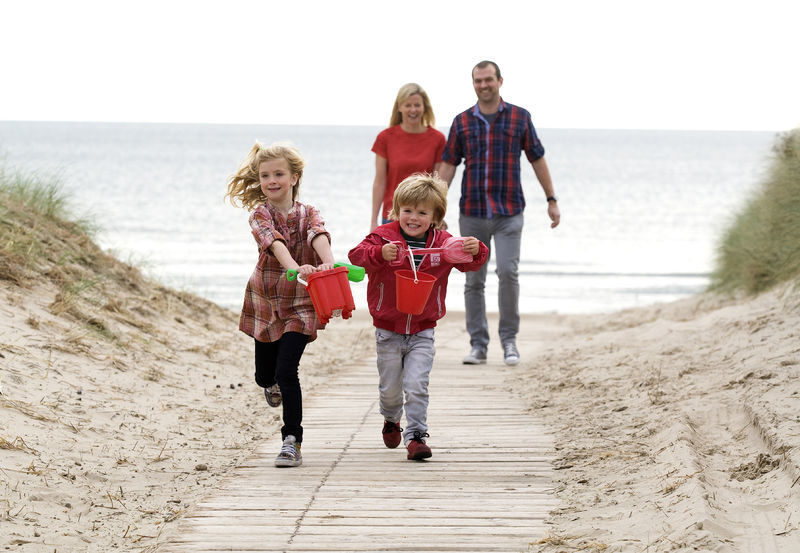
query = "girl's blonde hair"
{"x": 421, "y": 188}
{"x": 405, "y": 92}
{"x": 244, "y": 188}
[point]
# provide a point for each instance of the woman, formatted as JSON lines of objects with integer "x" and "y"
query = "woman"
{"x": 410, "y": 145}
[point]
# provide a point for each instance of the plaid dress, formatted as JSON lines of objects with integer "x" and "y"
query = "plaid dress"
{"x": 272, "y": 304}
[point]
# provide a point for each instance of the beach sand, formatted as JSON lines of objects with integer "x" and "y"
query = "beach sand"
{"x": 676, "y": 426}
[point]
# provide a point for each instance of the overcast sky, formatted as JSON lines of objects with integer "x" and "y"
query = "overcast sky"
{"x": 682, "y": 64}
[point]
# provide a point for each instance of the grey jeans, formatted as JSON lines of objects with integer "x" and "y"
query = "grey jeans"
{"x": 404, "y": 366}
{"x": 507, "y": 233}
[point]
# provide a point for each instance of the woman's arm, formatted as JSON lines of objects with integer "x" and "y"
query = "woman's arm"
{"x": 446, "y": 172}
{"x": 378, "y": 191}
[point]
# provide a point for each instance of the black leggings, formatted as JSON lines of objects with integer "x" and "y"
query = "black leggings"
{"x": 277, "y": 362}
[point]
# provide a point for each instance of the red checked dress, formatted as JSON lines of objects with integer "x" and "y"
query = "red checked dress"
{"x": 272, "y": 304}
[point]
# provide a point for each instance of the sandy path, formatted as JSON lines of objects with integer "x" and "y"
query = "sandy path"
{"x": 675, "y": 426}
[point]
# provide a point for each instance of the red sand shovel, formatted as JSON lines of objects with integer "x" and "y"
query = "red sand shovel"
{"x": 452, "y": 250}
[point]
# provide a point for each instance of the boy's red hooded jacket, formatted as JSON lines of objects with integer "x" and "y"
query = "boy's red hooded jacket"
{"x": 381, "y": 287}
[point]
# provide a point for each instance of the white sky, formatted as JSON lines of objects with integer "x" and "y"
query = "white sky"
{"x": 679, "y": 64}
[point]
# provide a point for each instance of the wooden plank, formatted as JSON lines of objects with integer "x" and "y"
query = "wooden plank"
{"x": 356, "y": 519}
{"x": 488, "y": 487}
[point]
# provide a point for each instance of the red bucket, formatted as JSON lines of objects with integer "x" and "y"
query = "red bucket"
{"x": 412, "y": 296}
{"x": 330, "y": 294}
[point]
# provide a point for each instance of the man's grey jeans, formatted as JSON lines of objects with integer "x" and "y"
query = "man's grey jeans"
{"x": 507, "y": 233}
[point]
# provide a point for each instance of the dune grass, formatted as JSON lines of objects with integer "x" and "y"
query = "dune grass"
{"x": 34, "y": 226}
{"x": 41, "y": 242}
{"x": 42, "y": 245}
{"x": 761, "y": 248}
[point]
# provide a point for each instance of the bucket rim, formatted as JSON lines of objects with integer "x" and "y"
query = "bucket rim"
{"x": 325, "y": 273}
{"x": 409, "y": 275}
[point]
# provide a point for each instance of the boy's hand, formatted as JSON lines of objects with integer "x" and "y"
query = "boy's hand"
{"x": 471, "y": 245}
{"x": 325, "y": 267}
{"x": 389, "y": 252}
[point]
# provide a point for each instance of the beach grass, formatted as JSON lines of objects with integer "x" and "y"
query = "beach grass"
{"x": 761, "y": 248}
{"x": 34, "y": 221}
{"x": 42, "y": 242}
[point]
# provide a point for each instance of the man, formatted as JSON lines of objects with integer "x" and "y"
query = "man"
{"x": 490, "y": 138}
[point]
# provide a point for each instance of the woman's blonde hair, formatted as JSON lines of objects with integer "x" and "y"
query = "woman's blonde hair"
{"x": 405, "y": 92}
{"x": 244, "y": 188}
{"x": 421, "y": 188}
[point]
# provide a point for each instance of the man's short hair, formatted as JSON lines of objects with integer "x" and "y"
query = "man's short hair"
{"x": 486, "y": 63}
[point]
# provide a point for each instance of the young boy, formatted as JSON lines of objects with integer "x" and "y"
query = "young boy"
{"x": 404, "y": 341}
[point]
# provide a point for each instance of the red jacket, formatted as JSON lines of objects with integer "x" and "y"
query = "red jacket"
{"x": 381, "y": 286}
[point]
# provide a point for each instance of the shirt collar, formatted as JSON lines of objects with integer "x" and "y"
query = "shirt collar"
{"x": 502, "y": 107}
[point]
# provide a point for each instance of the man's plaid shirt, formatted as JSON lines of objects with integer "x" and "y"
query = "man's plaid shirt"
{"x": 491, "y": 183}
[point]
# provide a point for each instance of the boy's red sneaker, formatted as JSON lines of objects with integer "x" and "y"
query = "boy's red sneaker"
{"x": 392, "y": 434}
{"x": 417, "y": 448}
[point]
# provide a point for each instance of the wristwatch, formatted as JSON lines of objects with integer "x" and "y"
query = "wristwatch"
{"x": 552, "y": 199}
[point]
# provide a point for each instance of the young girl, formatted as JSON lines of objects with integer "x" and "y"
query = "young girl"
{"x": 405, "y": 342}
{"x": 278, "y": 313}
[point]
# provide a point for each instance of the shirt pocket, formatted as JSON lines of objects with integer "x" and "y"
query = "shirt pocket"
{"x": 474, "y": 145}
{"x": 512, "y": 138}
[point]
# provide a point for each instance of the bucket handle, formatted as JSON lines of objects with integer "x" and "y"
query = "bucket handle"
{"x": 354, "y": 273}
{"x": 291, "y": 274}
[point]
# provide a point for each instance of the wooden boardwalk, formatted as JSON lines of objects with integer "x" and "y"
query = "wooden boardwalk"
{"x": 487, "y": 488}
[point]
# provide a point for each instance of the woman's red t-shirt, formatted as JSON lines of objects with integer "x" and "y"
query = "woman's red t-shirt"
{"x": 406, "y": 153}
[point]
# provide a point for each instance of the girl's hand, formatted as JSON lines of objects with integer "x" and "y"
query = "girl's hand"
{"x": 304, "y": 270}
{"x": 389, "y": 252}
{"x": 471, "y": 245}
{"x": 325, "y": 267}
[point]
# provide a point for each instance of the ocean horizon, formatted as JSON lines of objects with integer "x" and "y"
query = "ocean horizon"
{"x": 642, "y": 210}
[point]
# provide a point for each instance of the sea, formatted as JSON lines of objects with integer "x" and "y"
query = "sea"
{"x": 642, "y": 211}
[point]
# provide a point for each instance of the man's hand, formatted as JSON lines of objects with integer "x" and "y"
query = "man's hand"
{"x": 554, "y": 213}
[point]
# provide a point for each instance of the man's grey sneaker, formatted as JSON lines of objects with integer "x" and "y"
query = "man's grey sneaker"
{"x": 476, "y": 357}
{"x": 290, "y": 453}
{"x": 273, "y": 395}
{"x": 510, "y": 353}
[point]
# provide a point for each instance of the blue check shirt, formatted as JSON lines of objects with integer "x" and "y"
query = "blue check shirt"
{"x": 491, "y": 184}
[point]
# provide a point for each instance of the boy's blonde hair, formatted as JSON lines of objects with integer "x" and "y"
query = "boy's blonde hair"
{"x": 244, "y": 188}
{"x": 421, "y": 188}
{"x": 406, "y": 91}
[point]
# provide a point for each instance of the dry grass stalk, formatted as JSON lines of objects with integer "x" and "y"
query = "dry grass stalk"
{"x": 153, "y": 374}
{"x": 17, "y": 444}
{"x": 24, "y": 409}
{"x": 574, "y": 543}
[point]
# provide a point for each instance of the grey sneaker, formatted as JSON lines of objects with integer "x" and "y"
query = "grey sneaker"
{"x": 510, "y": 353}
{"x": 477, "y": 356}
{"x": 273, "y": 395}
{"x": 290, "y": 453}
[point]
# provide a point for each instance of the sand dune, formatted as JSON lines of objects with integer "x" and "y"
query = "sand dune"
{"x": 676, "y": 426}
